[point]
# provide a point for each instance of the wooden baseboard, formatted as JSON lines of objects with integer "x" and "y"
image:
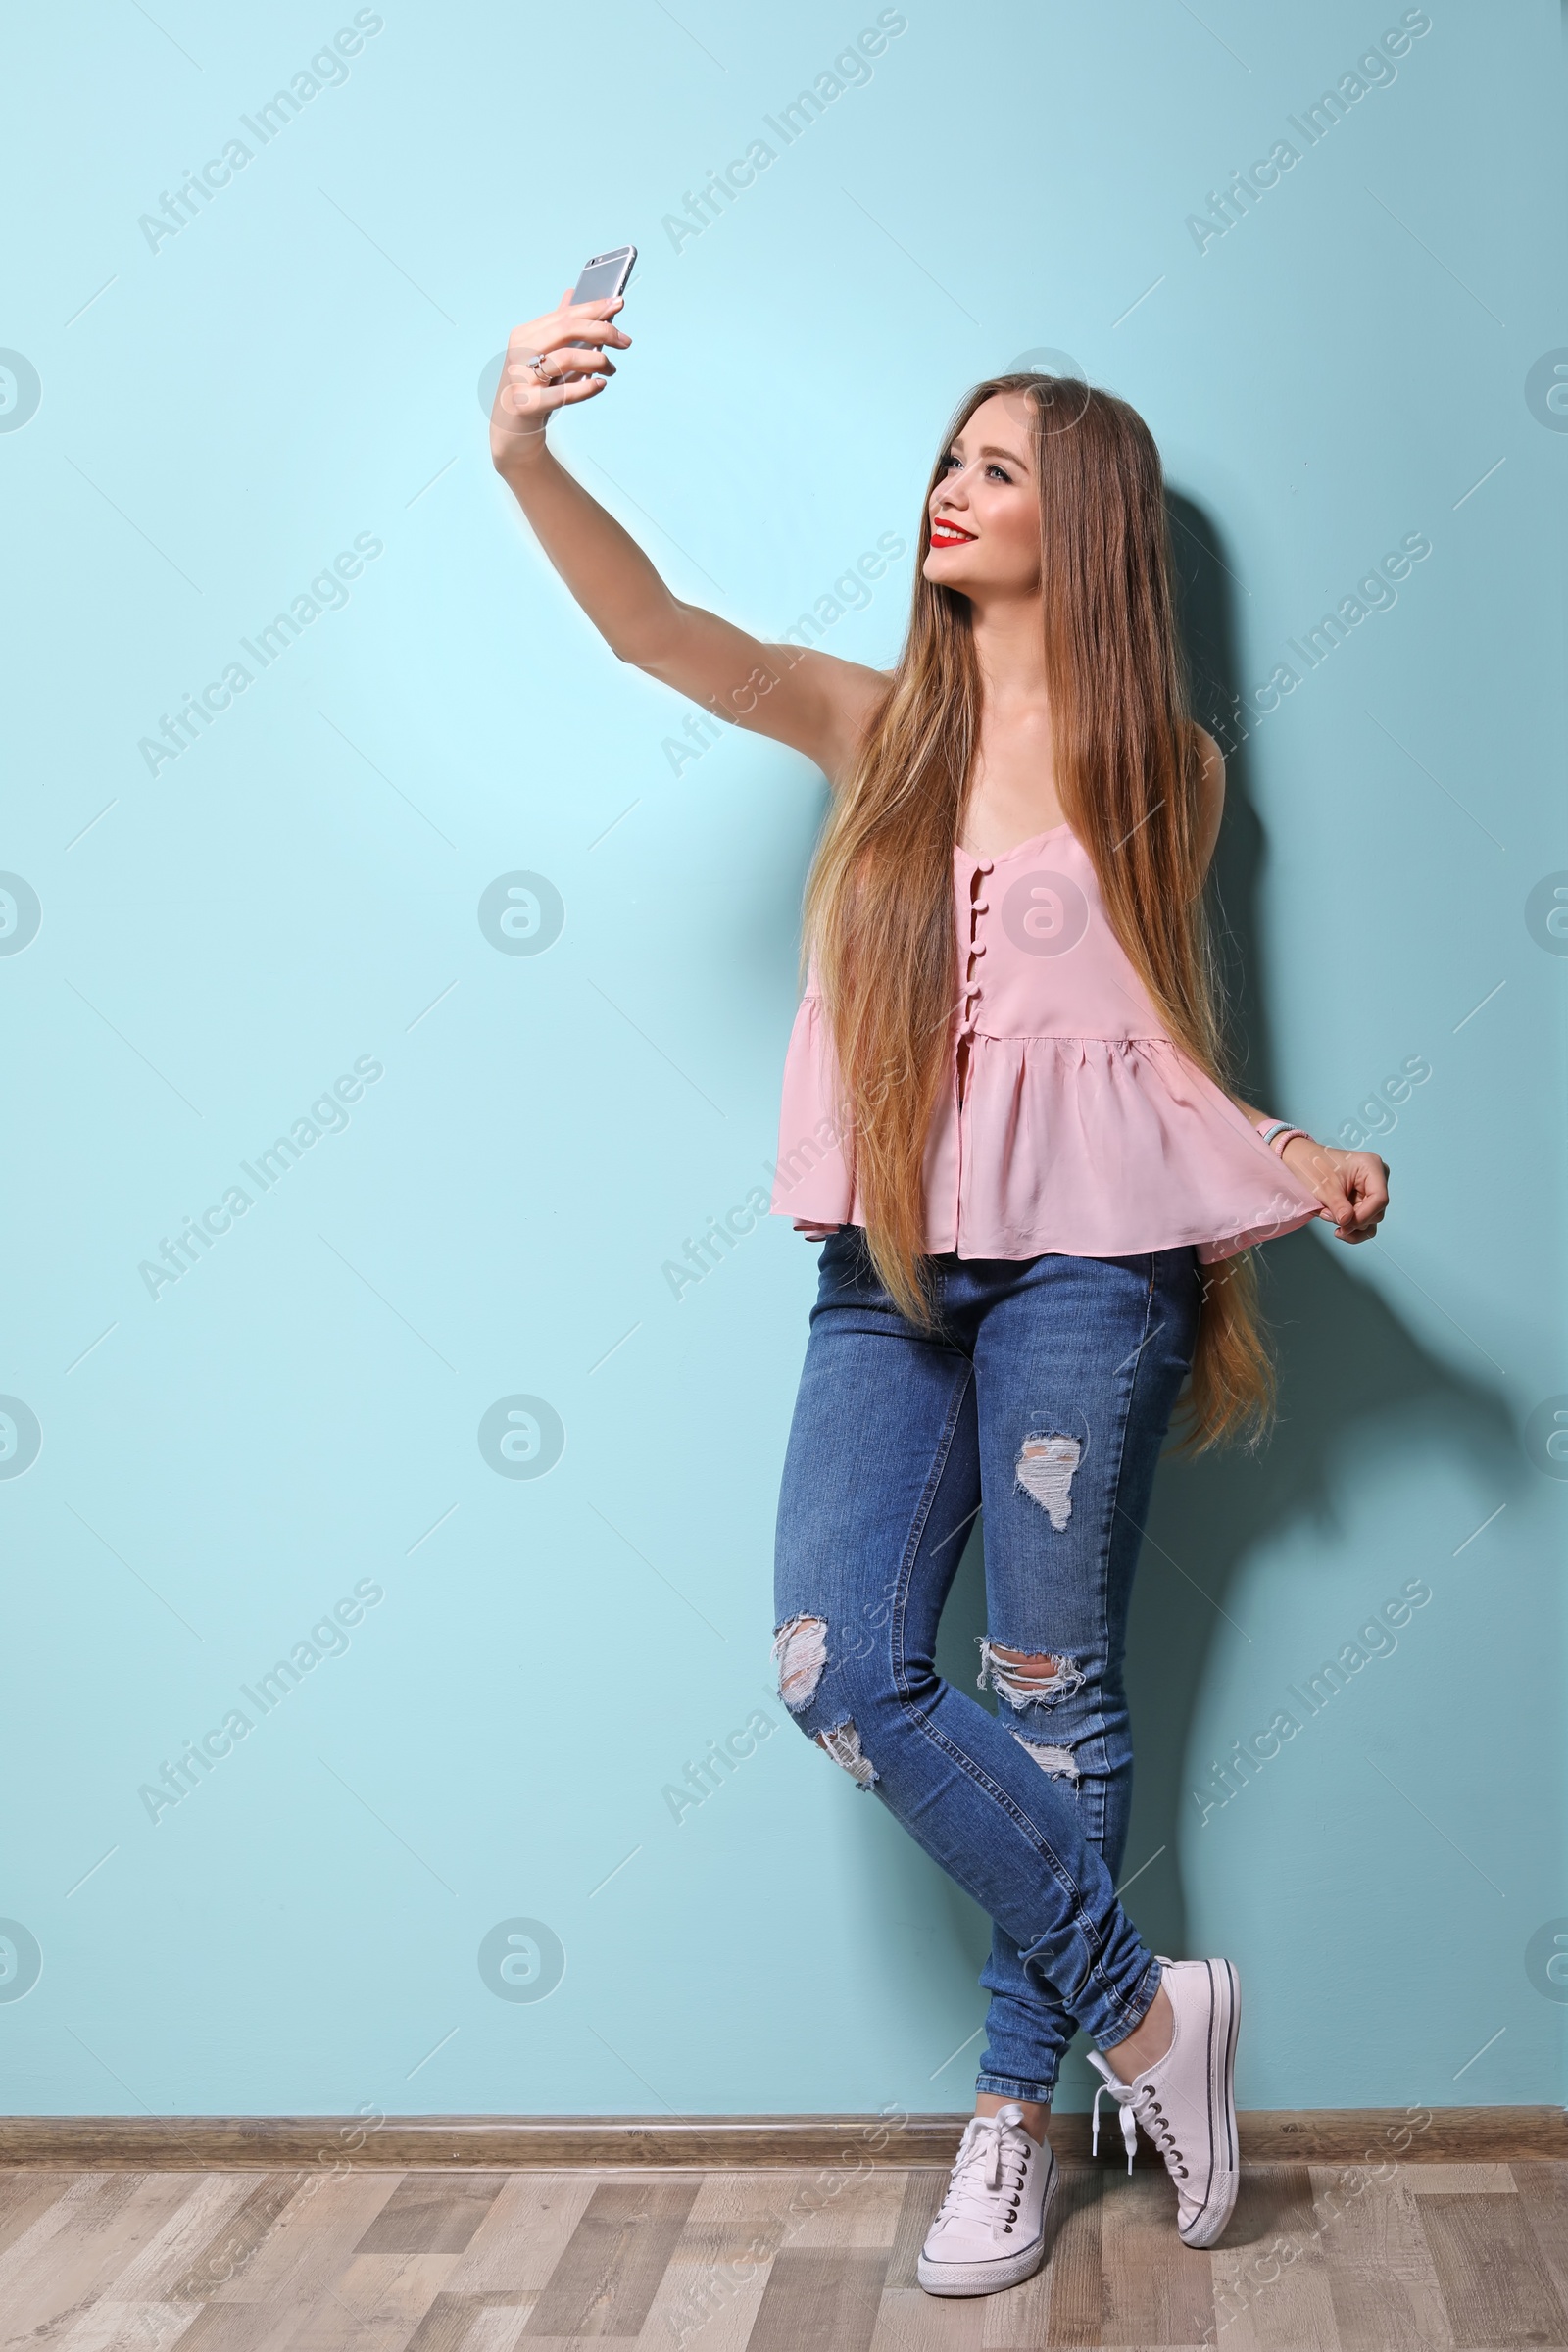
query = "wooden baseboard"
{"x": 214, "y": 2142}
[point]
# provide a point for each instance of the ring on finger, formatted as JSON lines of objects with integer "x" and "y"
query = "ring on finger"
{"x": 537, "y": 363}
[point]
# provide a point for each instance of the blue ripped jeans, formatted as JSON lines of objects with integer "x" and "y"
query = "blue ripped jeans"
{"x": 1044, "y": 1397}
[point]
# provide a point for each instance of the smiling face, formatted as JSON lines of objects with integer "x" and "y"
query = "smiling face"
{"x": 985, "y": 508}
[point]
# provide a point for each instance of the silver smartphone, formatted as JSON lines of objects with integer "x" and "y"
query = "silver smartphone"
{"x": 606, "y": 275}
{"x": 602, "y": 279}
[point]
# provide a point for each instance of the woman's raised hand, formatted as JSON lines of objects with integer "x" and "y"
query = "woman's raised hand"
{"x": 549, "y": 362}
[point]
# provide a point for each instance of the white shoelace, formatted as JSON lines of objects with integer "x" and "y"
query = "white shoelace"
{"x": 1135, "y": 2107}
{"x": 990, "y": 2165}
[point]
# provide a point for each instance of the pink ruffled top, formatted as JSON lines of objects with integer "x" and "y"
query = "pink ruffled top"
{"x": 1078, "y": 1127}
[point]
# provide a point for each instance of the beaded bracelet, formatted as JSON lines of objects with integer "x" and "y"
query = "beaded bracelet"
{"x": 1277, "y": 1133}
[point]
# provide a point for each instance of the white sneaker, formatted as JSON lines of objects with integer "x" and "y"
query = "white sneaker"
{"x": 990, "y": 2229}
{"x": 1186, "y": 2101}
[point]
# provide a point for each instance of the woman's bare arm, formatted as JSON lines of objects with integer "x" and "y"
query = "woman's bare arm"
{"x": 811, "y": 700}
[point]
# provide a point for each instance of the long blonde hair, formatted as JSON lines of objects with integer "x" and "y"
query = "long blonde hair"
{"x": 879, "y": 910}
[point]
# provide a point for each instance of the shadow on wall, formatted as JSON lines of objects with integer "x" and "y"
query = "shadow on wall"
{"x": 1350, "y": 1370}
{"x": 1349, "y": 1373}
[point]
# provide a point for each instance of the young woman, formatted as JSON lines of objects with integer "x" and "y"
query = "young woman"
{"x": 1003, "y": 1115}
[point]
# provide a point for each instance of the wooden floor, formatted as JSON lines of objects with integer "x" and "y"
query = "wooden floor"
{"x": 1418, "y": 2255}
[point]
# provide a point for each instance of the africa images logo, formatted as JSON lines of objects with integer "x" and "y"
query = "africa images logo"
{"x": 522, "y": 1437}
{"x": 1045, "y": 913}
{"x": 523, "y": 1960}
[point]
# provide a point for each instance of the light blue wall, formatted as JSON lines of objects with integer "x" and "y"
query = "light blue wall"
{"x": 294, "y": 374}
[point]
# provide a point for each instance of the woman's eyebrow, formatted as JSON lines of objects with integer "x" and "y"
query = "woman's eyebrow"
{"x": 989, "y": 448}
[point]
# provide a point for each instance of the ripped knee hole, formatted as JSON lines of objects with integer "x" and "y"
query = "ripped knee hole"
{"x": 1025, "y": 1678}
{"x": 800, "y": 1647}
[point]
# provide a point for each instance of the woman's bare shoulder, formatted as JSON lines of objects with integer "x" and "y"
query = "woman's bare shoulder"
{"x": 1211, "y": 791}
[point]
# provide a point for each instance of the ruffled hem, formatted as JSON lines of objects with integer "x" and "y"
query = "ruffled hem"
{"x": 1084, "y": 1147}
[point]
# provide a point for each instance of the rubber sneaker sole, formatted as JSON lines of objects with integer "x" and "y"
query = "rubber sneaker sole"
{"x": 1224, "y": 2022}
{"x": 990, "y": 2277}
